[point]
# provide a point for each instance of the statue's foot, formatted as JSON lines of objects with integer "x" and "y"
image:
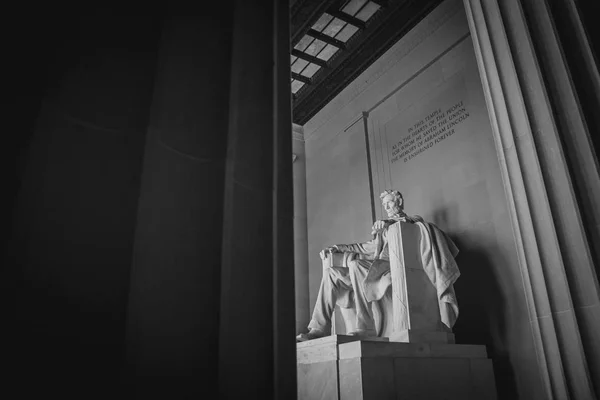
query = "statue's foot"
{"x": 363, "y": 333}
{"x": 312, "y": 334}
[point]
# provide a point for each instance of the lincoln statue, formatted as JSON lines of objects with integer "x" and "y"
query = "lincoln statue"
{"x": 366, "y": 277}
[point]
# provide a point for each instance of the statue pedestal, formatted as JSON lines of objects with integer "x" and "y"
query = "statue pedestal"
{"x": 341, "y": 367}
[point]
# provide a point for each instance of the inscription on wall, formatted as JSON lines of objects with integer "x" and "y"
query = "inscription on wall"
{"x": 424, "y": 134}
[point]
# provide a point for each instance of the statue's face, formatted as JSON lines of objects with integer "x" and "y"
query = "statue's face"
{"x": 390, "y": 205}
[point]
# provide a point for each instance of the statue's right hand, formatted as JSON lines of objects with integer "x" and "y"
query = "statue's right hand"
{"x": 327, "y": 251}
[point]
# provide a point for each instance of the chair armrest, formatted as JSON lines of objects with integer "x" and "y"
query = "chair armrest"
{"x": 338, "y": 259}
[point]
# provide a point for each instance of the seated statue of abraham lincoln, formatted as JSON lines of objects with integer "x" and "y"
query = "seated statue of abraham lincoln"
{"x": 366, "y": 278}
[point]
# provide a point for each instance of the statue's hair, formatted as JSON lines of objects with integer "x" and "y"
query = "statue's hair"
{"x": 397, "y": 195}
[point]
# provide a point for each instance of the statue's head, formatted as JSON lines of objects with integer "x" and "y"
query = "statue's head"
{"x": 392, "y": 202}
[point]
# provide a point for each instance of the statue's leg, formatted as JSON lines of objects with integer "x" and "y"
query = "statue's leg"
{"x": 335, "y": 284}
{"x": 349, "y": 317}
{"x": 358, "y": 272}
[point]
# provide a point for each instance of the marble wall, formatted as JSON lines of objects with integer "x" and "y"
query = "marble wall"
{"x": 416, "y": 121}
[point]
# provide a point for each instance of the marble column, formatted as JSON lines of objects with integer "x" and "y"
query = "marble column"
{"x": 550, "y": 174}
{"x": 300, "y": 231}
{"x": 212, "y": 300}
{"x": 75, "y": 213}
{"x": 256, "y": 335}
{"x": 175, "y": 280}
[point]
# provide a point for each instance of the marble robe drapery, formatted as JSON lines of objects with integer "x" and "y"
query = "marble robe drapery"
{"x": 437, "y": 256}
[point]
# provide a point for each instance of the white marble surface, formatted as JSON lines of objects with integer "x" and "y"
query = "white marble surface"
{"x": 367, "y": 370}
{"x": 415, "y": 302}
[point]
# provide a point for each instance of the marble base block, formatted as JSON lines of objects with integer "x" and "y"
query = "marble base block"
{"x": 326, "y": 348}
{"x": 344, "y": 368}
{"x": 318, "y": 367}
{"x": 415, "y": 336}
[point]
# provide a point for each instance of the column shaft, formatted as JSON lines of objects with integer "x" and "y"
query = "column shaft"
{"x": 256, "y": 342}
{"x": 175, "y": 293}
{"x": 549, "y": 171}
{"x": 212, "y": 292}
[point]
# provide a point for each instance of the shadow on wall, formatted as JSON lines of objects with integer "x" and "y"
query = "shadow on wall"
{"x": 481, "y": 300}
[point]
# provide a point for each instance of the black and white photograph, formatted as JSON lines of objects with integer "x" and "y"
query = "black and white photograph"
{"x": 302, "y": 199}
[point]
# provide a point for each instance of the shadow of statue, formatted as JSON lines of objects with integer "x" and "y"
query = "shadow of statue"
{"x": 482, "y": 301}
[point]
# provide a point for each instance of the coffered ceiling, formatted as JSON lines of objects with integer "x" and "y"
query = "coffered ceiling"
{"x": 333, "y": 41}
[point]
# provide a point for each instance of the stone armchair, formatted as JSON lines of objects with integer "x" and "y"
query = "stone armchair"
{"x": 410, "y": 310}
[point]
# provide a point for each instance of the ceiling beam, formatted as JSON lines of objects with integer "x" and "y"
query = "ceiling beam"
{"x": 301, "y": 78}
{"x": 308, "y": 58}
{"x": 383, "y": 30}
{"x": 381, "y": 3}
{"x": 304, "y": 14}
{"x": 326, "y": 38}
{"x": 347, "y": 18}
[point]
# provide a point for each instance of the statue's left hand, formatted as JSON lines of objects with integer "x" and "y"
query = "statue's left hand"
{"x": 378, "y": 226}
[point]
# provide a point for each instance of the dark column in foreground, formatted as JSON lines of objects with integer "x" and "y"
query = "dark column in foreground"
{"x": 257, "y": 312}
{"x": 174, "y": 297}
{"x": 75, "y": 211}
{"x": 212, "y": 293}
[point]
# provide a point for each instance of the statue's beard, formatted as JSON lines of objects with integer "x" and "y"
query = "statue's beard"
{"x": 395, "y": 212}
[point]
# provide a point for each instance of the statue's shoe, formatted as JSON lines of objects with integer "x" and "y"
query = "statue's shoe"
{"x": 312, "y": 334}
{"x": 363, "y": 333}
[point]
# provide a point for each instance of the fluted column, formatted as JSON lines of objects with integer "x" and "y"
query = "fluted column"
{"x": 549, "y": 172}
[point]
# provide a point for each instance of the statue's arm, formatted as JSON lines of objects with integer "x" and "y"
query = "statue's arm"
{"x": 369, "y": 248}
{"x": 366, "y": 248}
{"x": 381, "y": 225}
